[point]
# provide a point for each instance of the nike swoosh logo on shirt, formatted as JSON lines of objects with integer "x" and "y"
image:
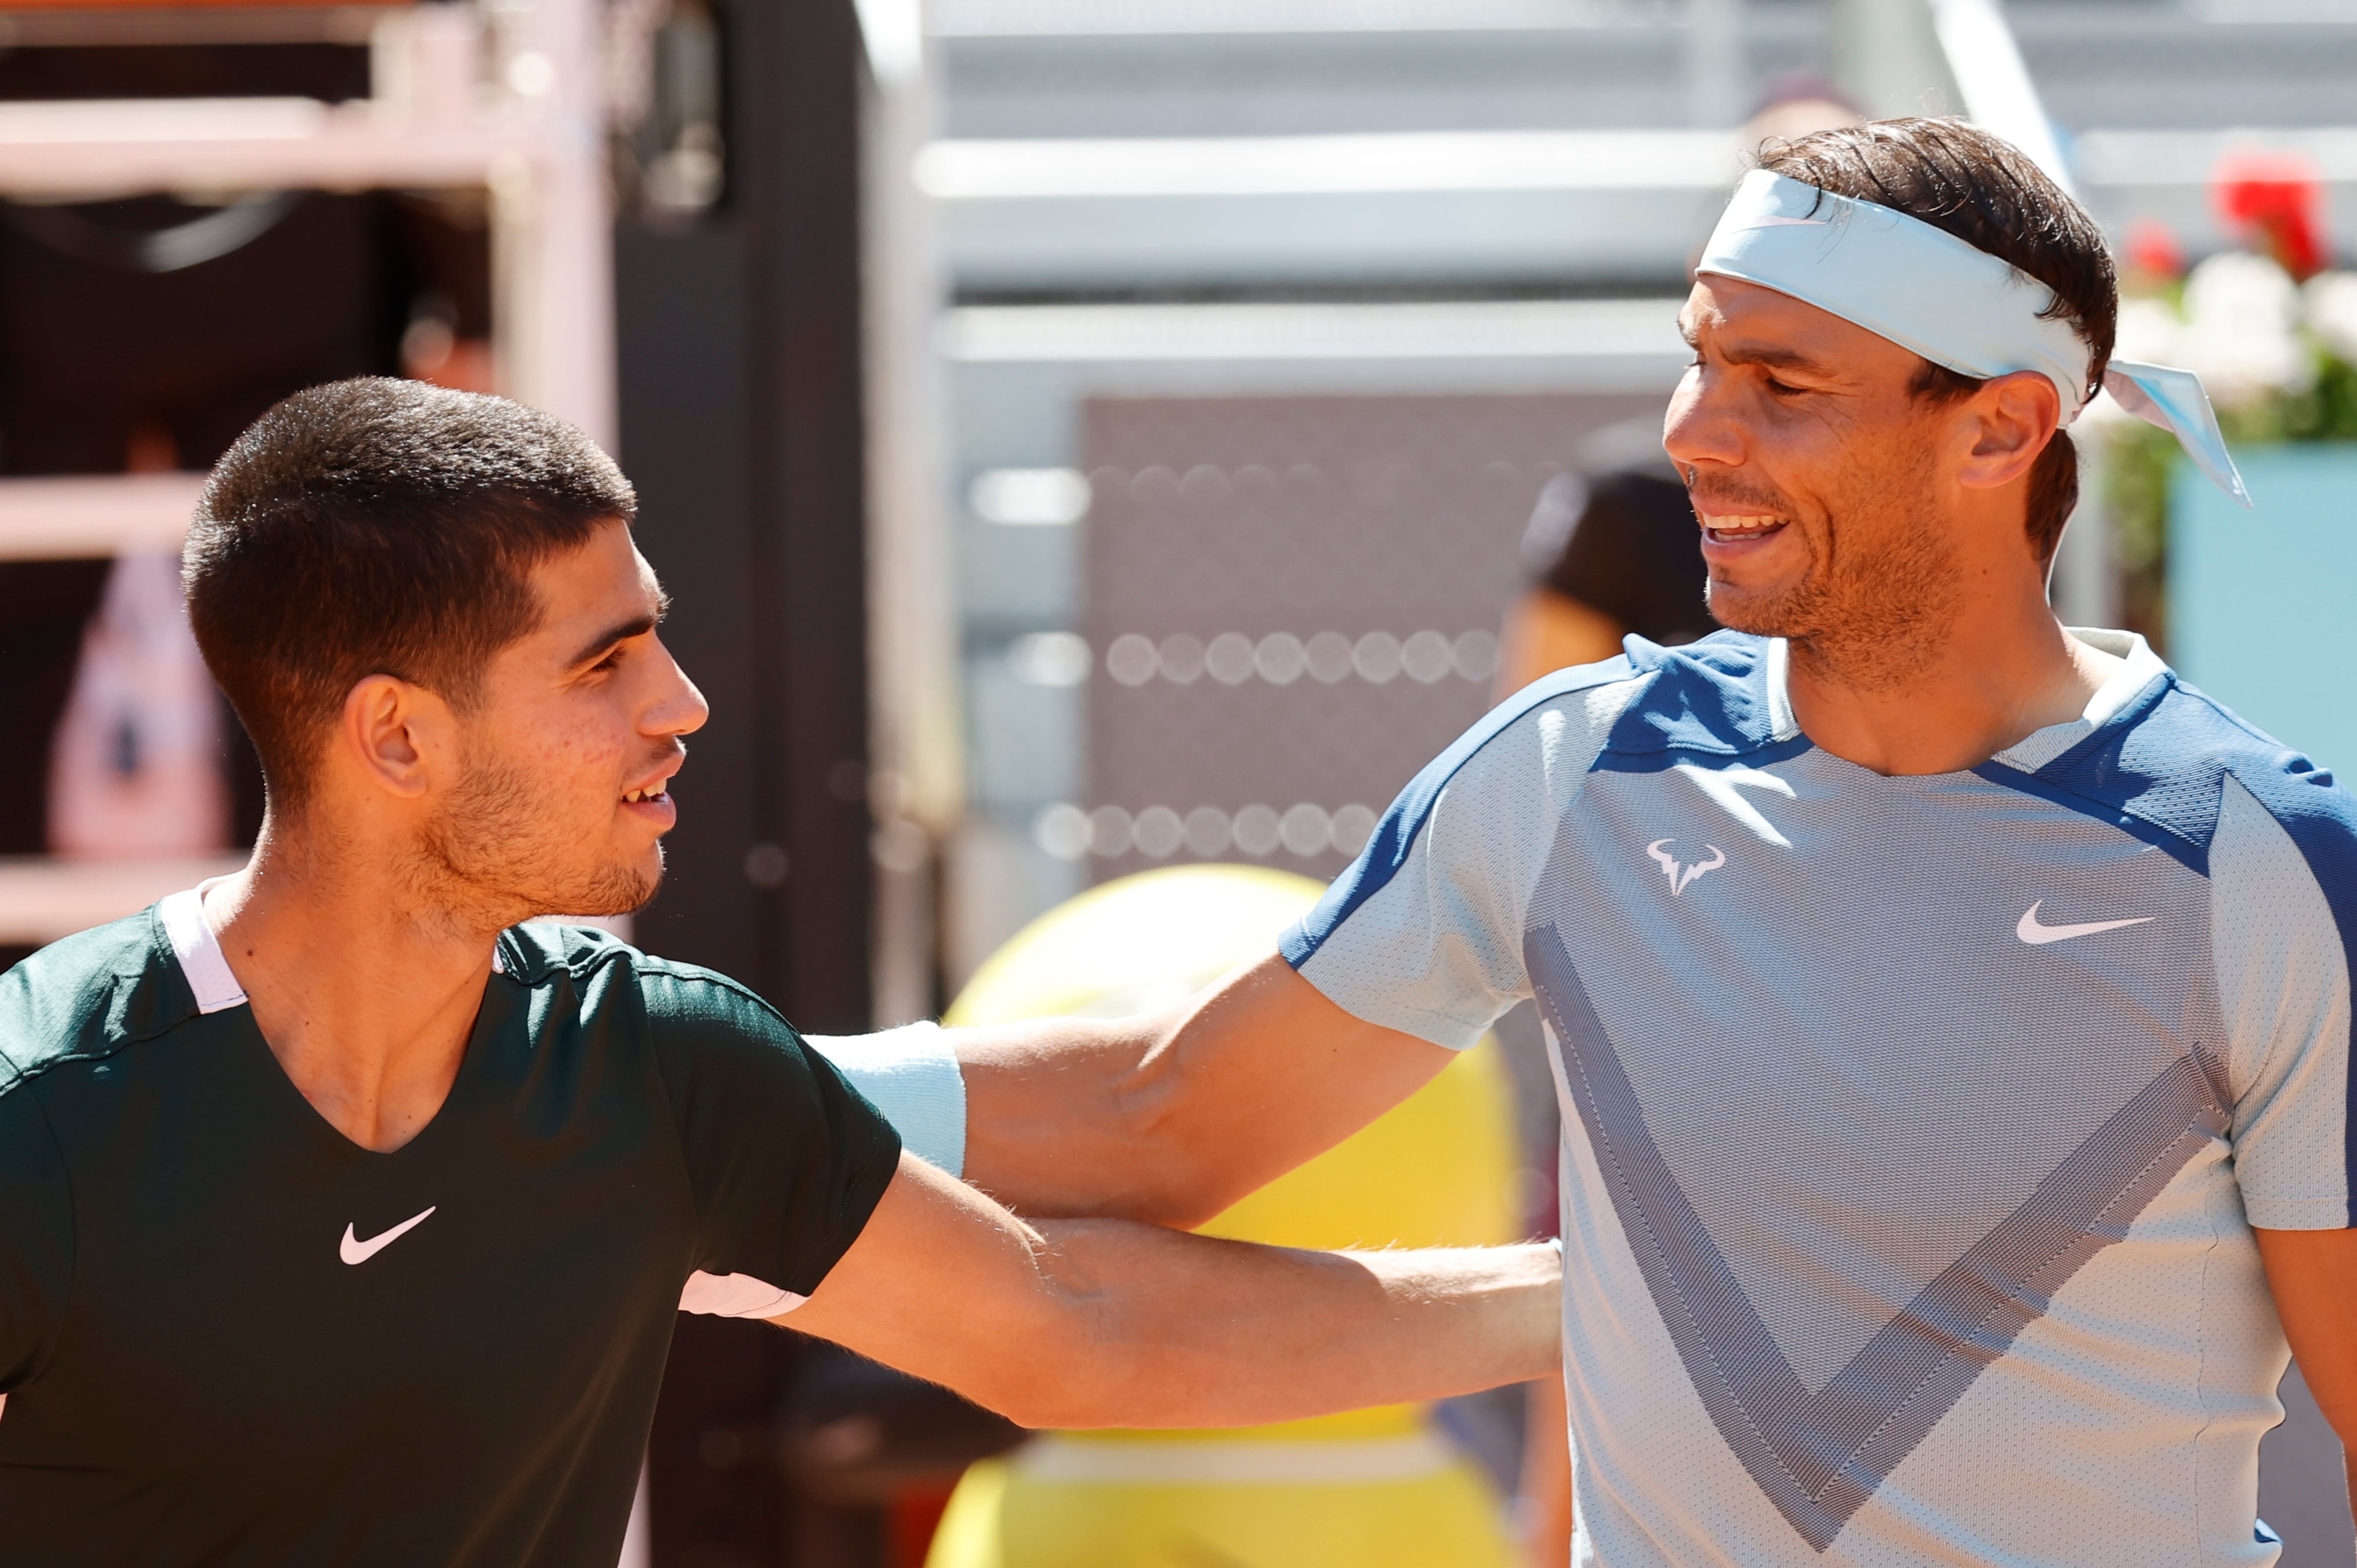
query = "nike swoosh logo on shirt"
{"x": 2038, "y": 935}
{"x": 352, "y": 1250}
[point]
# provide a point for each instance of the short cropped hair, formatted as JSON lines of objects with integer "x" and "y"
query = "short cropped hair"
{"x": 1986, "y": 192}
{"x": 379, "y": 527}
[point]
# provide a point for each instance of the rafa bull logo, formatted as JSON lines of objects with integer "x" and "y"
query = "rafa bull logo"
{"x": 1681, "y": 874}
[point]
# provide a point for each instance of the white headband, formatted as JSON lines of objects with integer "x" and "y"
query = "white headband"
{"x": 1957, "y": 305}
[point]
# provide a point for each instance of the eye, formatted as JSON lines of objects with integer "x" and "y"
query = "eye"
{"x": 1784, "y": 389}
{"x": 613, "y": 660}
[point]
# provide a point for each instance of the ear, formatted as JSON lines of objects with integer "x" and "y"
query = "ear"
{"x": 400, "y": 736}
{"x": 2010, "y": 421}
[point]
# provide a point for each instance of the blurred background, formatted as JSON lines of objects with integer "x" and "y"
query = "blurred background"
{"x": 1082, "y": 438}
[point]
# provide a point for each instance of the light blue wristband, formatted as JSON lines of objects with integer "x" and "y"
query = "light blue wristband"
{"x": 911, "y": 1076}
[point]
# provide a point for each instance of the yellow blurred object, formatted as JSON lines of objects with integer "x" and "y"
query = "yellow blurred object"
{"x": 1364, "y": 1489}
{"x": 1001, "y": 1517}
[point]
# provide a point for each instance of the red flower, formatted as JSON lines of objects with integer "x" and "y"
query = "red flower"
{"x": 2153, "y": 251}
{"x": 2275, "y": 202}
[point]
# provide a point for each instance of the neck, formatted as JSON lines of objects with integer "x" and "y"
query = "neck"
{"x": 365, "y": 991}
{"x": 1991, "y": 673}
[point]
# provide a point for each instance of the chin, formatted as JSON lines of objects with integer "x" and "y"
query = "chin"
{"x": 626, "y": 889}
{"x": 1782, "y": 609}
{"x": 617, "y": 888}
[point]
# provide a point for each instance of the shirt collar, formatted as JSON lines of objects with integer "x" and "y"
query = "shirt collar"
{"x": 197, "y": 948}
{"x": 2140, "y": 667}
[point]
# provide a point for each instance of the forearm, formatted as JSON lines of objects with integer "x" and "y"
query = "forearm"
{"x": 1545, "y": 1495}
{"x": 1172, "y": 1117}
{"x": 1188, "y": 1331}
{"x": 2348, "y": 1472}
{"x": 1052, "y": 1115}
{"x": 2312, "y": 1275}
{"x": 1103, "y": 1322}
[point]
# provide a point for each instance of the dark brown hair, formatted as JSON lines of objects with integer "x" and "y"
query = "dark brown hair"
{"x": 379, "y": 527}
{"x": 1986, "y": 192}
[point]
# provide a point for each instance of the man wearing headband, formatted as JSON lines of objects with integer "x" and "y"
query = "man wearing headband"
{"x": 1951, "y": 1012}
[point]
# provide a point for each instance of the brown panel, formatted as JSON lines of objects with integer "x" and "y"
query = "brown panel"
{"x": 1259, "y": 516}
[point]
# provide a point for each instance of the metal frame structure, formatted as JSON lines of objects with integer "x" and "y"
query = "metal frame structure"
{"x": 506, "y": 97}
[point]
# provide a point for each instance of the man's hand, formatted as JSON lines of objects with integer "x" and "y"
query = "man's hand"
{"x": 1103, "y": 1323}
{"x": 2313, "y": 1276}
{"x": 1172, "y": 1117}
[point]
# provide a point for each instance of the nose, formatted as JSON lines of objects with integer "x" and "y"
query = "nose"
{"x": 680, "y": 709}
{"x": 1699, "y": 426}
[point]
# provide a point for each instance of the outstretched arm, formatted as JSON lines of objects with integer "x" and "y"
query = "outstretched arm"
{"x": 1172, "y": 1117}
{"x": 2312, "y": 1274}
{"x": 1100, "y": 1323}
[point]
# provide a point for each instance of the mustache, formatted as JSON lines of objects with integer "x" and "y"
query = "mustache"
{"x": 674, "y": 754}
{"x": 1732, "y": 497}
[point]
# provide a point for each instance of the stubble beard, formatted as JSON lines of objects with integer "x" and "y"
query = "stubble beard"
{"x": 495, "y": 856}
{"x": 1877, "y": 602}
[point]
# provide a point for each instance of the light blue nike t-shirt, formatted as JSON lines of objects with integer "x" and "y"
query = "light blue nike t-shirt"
{"x": 1915, "y": 1127}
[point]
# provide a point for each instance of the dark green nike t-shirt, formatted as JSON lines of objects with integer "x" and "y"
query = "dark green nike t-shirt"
{"x": 229, "y": 1335}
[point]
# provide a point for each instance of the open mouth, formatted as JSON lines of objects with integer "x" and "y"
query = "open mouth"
{"x": 1732, "y": 528}
{"x": 644, "y": 797}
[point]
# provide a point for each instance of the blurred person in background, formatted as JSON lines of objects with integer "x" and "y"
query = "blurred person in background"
{"x": 1612, "y": 553}
{"x": 1370, "y": 1488}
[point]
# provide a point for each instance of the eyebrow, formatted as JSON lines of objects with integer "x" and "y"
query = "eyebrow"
{"x": 597, "y": 647}
{"x": 1755, "y": 354}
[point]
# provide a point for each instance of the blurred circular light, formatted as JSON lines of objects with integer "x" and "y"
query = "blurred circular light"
{"x": 1229, "y": 659}
{"x": 1153, "y": 486}
{"x": 1377, "y": 657}
{"x": 1352, "y": 828}
{"x": 1131, "y": 660}
{"x": 1182, "y": 658}
{"x": 1329, "y": 657}
{"x": 1030, "y": 498}
{"x": 1427, "y": 657}
{"x": 1206, "y": 832}
{"x": 1476, "y": 655}
{"x": 532, "y": 75}
{"x": 1280, "y": 659}
{"x": 1110, "y": 830}
{"x": 1050, "y": 658}
{"x": 1305, "y": 829}
{"x": 1159, "y": 832}
{"x": 1256, "y": 831}
{"x": 1204, "y": 486}
{"x": 1061, "y": 830}
{"x": 766, "y": 866}
{"x": 1254, "y": 485}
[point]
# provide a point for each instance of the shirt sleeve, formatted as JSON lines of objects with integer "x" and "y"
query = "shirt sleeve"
{"x": 911, "y": 1075}
{"x": 2283, "y": 989}
{"x": 786, "y": 1159}
{"x": 37, "y": 1236}
{"x": 1424, "y": 933}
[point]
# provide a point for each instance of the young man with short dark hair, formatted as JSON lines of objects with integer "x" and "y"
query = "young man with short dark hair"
{"x": 343, "y": 1218}
{"x": 1951, "y": 1011}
